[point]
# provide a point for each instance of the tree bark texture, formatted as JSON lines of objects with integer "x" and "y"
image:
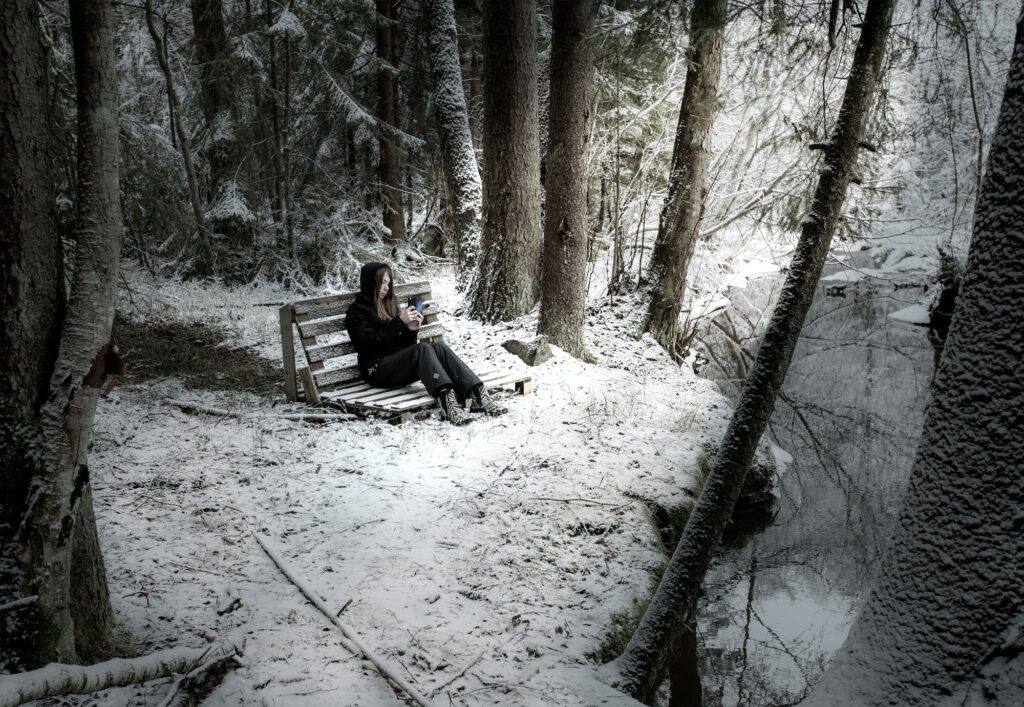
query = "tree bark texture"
{"x": 460, "y": 167}
{"x": 507, "y": 283}
{"x": 203, "y": 265}
{"x": 677, "y": 229}
{"x": 61, "y": 551}
{"x": 388, "y": 168}
{"x": 938, "y": 626}
{"x": 31, "y": 282}
{"x": 643, "y": 661}
{"x": 563, "y": 296}
{"x": 30, "y": 253}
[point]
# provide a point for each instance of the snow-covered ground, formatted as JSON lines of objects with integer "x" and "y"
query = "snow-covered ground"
{"x": 482, "y": 563}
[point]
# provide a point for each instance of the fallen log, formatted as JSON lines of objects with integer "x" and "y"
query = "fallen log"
{"x": 59, "y": 679}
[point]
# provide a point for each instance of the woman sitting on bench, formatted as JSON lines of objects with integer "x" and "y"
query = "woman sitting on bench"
{"x": 383, "y": 333}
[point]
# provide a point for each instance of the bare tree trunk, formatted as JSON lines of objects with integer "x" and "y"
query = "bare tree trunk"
{"x": 460, "y": 168}
{"x": 204, "y": 263}
{"x": 61, "y": 552}
{"x": 390, "y": 174}
{"x": 563, "y": 297}
{"x": 643, "y": 661}
{"x": 938, "y": 627}
{"x": 677, "y": 230}
{"x": 507, "y": 284}
{"x": 31, "y": 283}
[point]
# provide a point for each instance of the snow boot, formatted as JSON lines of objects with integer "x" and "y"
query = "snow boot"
{"x": 483, "y": 402}
{"x": 451, "y": 410}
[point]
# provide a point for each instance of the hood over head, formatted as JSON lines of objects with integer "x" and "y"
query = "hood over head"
{"x": 368, "y": 280}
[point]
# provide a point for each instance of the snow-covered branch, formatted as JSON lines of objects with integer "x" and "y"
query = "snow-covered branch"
{"x": 60, "y": 679}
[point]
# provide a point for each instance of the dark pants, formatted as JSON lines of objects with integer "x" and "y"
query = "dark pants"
{"x": 435, "y": 365}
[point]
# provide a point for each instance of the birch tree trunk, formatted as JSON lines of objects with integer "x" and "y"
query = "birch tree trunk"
{"x": 563, "y": 297}
{"x": 677, "y": 229}
{"x": 390, "y": 174}
{"x": 61, "y": 551}
{"x": 938, "y": 627}
{"x": 507, "y": 284}
{"x": 460, "y": 166}
{"x": 644, "y": 659}
{"x": 203, "y": 265}
{"x": 31, "y": 284}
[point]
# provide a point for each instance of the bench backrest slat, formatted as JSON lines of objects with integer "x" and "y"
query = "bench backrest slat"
{"x": 332, "y": 305}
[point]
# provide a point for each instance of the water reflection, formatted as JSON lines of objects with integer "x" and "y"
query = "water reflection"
{"x": 779, "y": 603}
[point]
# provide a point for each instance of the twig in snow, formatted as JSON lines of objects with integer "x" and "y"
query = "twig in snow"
{"x": 349, "y": 640}
{"x": 458, "y": 675}
{"x": 582, "y": 500}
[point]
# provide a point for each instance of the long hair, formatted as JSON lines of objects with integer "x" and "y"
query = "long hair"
{"x": 387, "y": 308}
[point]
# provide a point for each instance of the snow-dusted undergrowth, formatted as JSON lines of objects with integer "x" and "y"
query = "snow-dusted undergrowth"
{"x": 483, "y": 562}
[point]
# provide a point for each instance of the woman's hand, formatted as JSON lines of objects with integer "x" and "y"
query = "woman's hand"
{"x": 413, "y": 319}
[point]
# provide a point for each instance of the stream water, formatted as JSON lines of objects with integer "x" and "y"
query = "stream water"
{"x": 781, "y": 597}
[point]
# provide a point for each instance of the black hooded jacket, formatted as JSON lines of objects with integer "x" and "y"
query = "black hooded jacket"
{"x": 373, "y": 337}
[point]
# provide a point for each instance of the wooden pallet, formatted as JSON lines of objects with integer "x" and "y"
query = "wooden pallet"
{"x": 401, "y": 404}
{"x": 331, "y": 376}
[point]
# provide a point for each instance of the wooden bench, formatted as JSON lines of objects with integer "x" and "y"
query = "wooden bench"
{"x": 331, "y": 376}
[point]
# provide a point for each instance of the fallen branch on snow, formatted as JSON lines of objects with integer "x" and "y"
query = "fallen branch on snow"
{"x": 197, "y": 409}
{"x": 60, "y": 679}
{"x": 349, "y": 640}
{"x": 316, "y": 417}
